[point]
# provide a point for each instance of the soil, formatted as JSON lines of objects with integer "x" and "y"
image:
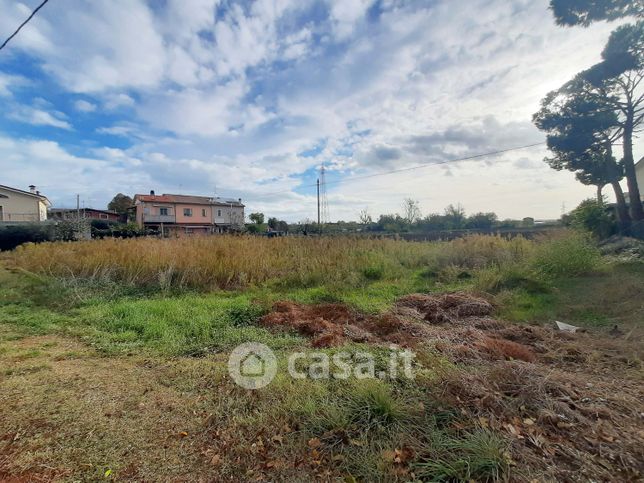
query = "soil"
{"x": 570, "y": 403}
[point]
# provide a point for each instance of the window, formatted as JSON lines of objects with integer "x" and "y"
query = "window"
{"x": 103, "y": 216}
{"x": 218, "y": 212}
{"x": 187, "y": 212}
{"x": 203, "y": 212}
{"x": 189, "y": 231}
{"x": 163, "y": 211}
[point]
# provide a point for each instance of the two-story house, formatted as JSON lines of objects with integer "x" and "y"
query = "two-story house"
{"x": 22, "y": 206}
{"x": 169, "y": 213}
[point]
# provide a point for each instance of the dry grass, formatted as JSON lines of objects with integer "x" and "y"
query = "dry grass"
{"x": 221, "y": 262}
{"x": 236, "y": 262}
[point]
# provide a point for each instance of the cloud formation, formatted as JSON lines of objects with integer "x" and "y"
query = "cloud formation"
{"x": 247, "y": 99}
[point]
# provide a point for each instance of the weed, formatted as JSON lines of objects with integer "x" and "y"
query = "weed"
{"x": 569, "y": 255}
{"x": 476, "y": 456}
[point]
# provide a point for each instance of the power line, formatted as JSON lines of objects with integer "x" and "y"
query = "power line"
{"x": 411, "y": 168}
{"x": 23, "y": 24}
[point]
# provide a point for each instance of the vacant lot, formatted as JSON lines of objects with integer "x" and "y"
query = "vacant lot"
{"x": 113, "y": 360}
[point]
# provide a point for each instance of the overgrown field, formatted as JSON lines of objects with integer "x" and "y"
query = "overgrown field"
{"x": 206, "y": 263}
{"x": 113, "y": 360}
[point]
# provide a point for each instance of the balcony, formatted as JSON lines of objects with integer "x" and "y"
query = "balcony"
{"x": 159, "y": 219}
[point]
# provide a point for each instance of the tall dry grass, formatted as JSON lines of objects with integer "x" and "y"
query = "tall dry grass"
{"x": 235, "y": 262}
{"x": 220, "y": 261}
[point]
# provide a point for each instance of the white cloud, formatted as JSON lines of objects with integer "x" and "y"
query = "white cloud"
{"x": 60, "y": 175}
{"x": 104, "y": 45}
{"x": 229, "y": 94}
{"x": 7, "y": 82}
{"x": 346, "y": 13}
{"x": 38, "y": 117}
{"x": 84, "y": 106}
{"x": 115, "y": 101}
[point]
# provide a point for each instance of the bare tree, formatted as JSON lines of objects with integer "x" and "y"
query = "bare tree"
{"x": 411, "y": 210}
{"x": 365, "y": 217}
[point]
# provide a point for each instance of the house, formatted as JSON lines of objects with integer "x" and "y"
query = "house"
{"x": 189, "y": 214}
{"x": 21, "y": 206}
{"x": 639, "y": 174}
{"x": 83, "y": 213}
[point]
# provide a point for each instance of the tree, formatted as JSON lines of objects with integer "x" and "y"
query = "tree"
{"x": 411, "y": 210}
{"x": 584, "y": 12}
{"x": 618, "y": 76}
{"x": 257, "y": 218}
{"x": 272, "y": 223}
{"x": 454, "y": 217}
{"x": 365, "y": 217}
{"x": 282, "y": 226}
{"x": 527, "y": 222}
{"x": 120, "y": 204}
{"x": 481, "y": 220}
{"x": 581, "y": 125}
{"x": 433, "y": 222}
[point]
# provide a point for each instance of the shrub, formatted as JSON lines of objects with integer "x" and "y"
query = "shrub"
{"x": 374, "y": 272}
{"x": 245, "y": 314}
{"x": 591, "y": 216}
{"x": 568, "y": 254}
{"x": 13, "y": 236}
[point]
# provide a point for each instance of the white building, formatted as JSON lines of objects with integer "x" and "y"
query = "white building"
{"x": 22, "y": 206}
{"x": 639, "y": 174}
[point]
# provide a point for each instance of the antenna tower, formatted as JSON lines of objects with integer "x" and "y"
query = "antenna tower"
{"x": 324, "y": 202}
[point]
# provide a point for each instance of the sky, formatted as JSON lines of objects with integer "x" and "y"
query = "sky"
{"x": 247, "y": 99}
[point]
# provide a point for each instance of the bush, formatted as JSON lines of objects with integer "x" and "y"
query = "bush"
{"x": 12, "y": 236}
{"x": 572, "y": 253}
{"x": 591, "y": 216}
{"x": 374, "y": 272}
{"x": 245, "y": 314}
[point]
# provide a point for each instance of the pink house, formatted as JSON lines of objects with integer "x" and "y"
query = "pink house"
{"x": 188, "y": 214}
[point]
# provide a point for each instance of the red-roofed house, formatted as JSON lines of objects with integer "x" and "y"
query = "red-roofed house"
{"x": 188, "y": 214}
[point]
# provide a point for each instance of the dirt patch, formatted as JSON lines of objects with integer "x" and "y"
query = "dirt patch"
{"x": 564, "y": 424}
{"x": 334, "y": 324}
{"x": 448, "y": 307}
{"x": 455, "y": 319}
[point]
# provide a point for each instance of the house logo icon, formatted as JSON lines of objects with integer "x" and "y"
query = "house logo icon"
{"x": 252, "y": 365}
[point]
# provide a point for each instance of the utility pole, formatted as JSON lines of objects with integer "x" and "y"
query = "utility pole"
{"x": 318, "y": 184}
{"x": 78, "y": 206}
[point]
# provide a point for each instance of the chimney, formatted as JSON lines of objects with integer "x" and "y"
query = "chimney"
{"x": 240, "y": 201}
{"x": 32, "y": 188}
{"x": 151, "y": 192}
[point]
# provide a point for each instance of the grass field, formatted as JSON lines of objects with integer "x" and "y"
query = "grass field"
{"x": 113, "y": 362}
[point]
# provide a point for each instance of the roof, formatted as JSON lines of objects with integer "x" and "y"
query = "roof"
{"x": 28, "y": 193}
{"x": 63, "y": 210}
{"x": 187, "y": 199}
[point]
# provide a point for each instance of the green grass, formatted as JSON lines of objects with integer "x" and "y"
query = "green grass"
{"x": 475, "y": 456}
{"x": 353, "y": 425}
{"x": 603, "y": 299}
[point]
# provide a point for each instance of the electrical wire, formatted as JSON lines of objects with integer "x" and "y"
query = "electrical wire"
{"x": 23, "y": 24}
{"x": 411, "y": 168}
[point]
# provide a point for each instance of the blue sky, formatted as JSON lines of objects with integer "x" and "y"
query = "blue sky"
{"x": 247, "y": 99}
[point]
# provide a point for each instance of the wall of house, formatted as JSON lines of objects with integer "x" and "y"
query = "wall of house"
{"x": 224, "y": 214}
{"x": 19, "y": 207}
{"x": 201, "y": 214}
{"x": 639, "y": 171}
